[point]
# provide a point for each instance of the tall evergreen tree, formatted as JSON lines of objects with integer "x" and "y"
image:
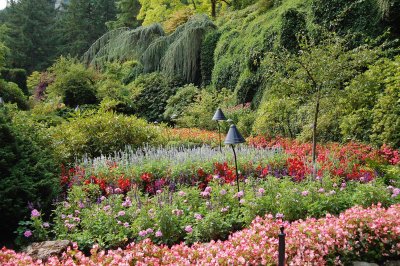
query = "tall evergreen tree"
{"x": 31, "y": 33}
{"x": 82, "y": 22}
{"x": 127, "y": 11}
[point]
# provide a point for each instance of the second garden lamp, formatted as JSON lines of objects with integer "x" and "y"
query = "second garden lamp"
{"x": 232, "y": 138}
{"x": 219, "y": 116}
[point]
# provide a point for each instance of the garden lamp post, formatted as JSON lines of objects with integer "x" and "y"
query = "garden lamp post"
{"x": 1, "y": 101}
{"x": 219, "y": 116}
{"x": 232, "y": 138}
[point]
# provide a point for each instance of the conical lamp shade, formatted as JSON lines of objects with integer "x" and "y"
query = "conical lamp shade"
{"x": 234, "y": 136}
{"x": 219, "y": 115}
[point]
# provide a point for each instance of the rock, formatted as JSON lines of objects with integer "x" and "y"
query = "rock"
{"x": 392, "y": 263}
{"x": 44, "y": 250}
{"x": 362, "y": 263}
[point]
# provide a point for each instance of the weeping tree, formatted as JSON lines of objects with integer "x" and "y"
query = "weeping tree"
{"x": 177, "y": 54}
{"x": 121, "y": 45}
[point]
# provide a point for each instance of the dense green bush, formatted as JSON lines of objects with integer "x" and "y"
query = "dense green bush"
{"x": 177, "y": 103}
{"x": 73, "y": 82}
{"x": 150, "y": 92}
{"x": 278, "y": 117}
{"x": 386, "y": 117}
{"x": 111, "y": 85}
{"x": 207, "y": 56}
{"x": 247, "y": 86}
{"x": 95, "y": 133}
{"x": 10, "y": 92}
{"x": 17, "y": 76}
{"x": 293, "y": 25}
{"x": 28, "y": 171}
{"x": 360, "y": 19}
{"x": 199, "y": 113}
{"x": 370, "y": 105}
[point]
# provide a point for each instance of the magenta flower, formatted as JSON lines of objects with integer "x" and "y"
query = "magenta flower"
{"x": 240, "y": 194}
{"x": 126, "y": 224}
{"x": 142, "y": 233}
{"x": 321, "y": 190}
{"x": 35, "y": 213}
{"x": 159, "y": 233}
{"x": 182, "y": 193}
{"x": 242, "y": 201}
{"x": 396, "y": 192}
{"x": 279, "y": 216}
{"x": 304, "y": 193}
{"x": 223, "y": 192}
{"x": 205, "y": 193}
{"x": 261, "y": 191}
{"x": 198, "y": 216}
{"x": 149, "y": 231}
{"x": 46, "y": 225}
{"x": 28, "y": 233}
{"x": 188, "y": 229}
{"x": 121, "y": 213}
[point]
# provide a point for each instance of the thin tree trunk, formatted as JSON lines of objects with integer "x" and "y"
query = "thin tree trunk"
{"x": 194, "y": 4}
{"x": 213, "y": 8}
{"x": 314, "y": 138}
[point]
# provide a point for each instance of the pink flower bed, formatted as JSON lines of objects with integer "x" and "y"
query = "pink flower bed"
{"x": 357, "y": 232}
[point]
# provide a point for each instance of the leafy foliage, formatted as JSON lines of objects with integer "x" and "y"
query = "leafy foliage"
{"x": 150, "y": 93}
{"x": 177, "y": 103}
{"x": 199, "y": 113}
{"x": 370, "y": 107}
{"x": 207, "y": 56}
{"x": 101, "y": 132}
{"x": 314, "y": 81}
{"x": 17, "y": 76}
{"x": 82, "y": 22}
{"x": 11, "y": 93}
{"x": 27, "y": 169}
{"x": 73, "y": 82}
{"x": 31, "y": 34}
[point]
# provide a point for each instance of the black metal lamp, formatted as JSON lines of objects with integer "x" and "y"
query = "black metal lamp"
{"x": 219, "y": 116}
{"x": 232, "y": 138}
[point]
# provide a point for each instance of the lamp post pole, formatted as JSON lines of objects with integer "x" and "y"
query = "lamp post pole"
{"x": 219, "y": 116}
{"x": 232, "y": 138}
{"x": 237, "y": 172}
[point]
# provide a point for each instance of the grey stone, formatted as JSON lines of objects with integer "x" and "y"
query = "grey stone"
{"x": 44, "y": 250}
{"x": 363, "y": 263}
{"x": 392, "y": 263}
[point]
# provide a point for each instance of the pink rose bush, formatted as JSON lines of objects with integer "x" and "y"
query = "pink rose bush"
{"x": 356, "y": 233}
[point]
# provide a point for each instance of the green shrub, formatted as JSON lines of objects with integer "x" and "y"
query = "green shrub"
{"x": 360, "y": 19}
{"x": 386, "y": 117}
{"x": 293, "y": 25}
{"x": 74, "y": 83}
{"x": 247, "y": 86}
{"x": 207, "y": 56}
{"x": 278, "y": 117}
{"x": 10, "y": 92}
{"x": 177, "y": 103}
{"x": 370, "y": 105}
{"x": 200, "y": 113}
{"x": 96, "y": 133}
{"x": 28, "y": 171}
{"x": 150, "y": 92}
{"x": 17, "y": 76}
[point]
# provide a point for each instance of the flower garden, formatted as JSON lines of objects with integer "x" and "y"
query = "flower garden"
{"x": 180, "y": 205}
